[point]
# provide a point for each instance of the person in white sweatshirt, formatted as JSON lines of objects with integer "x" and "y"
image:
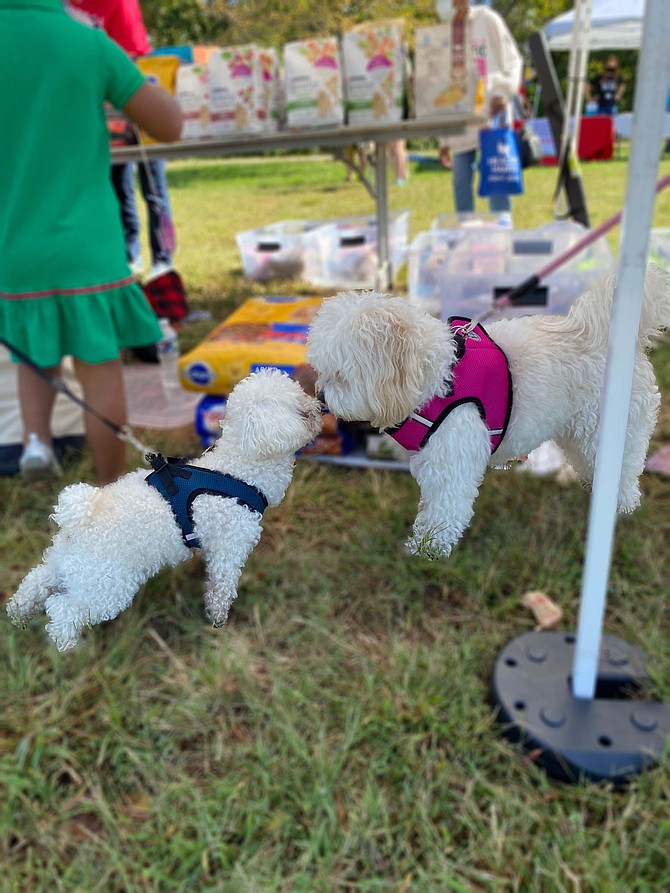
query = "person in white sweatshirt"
{"x": 499, "y": 65}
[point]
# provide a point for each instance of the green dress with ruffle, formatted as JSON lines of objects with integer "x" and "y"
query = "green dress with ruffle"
{"x": 65, "y": 285}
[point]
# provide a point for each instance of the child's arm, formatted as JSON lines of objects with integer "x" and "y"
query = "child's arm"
{"x": 156, "y": 111}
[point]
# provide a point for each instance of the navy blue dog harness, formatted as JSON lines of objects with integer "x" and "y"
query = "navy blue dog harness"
{"x": 180, "y": 483}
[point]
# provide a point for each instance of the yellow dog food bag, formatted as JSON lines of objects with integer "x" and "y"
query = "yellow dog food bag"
{"x": 161, "y": 70}
{"x": 263, "y": 331}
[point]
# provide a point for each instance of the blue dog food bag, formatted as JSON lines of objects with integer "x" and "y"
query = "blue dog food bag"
{"x": 208, "y": 413}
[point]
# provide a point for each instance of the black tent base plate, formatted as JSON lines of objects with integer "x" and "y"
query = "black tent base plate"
{"x": 612, "y": 737}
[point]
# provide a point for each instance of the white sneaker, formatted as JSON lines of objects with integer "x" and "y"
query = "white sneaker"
{"x": 158, "y": 270}
{"x": 505, "y": 220}
{"x": 137, "y": 265}
{"x": 38, "y": 460}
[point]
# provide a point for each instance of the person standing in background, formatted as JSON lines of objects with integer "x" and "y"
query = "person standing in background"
{"x": 122, "y": 21}
{"x": 496, "y": 57}
{"x": 397, "y": 151}
{"x": 65, "y": 285}
{"x": 605, "y": 91}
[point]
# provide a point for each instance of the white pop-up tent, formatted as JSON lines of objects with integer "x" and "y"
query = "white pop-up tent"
{"x": 615, "y": 25}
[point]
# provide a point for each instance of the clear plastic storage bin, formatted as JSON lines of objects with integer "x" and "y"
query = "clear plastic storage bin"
{"x": 470, "y": 295}
{"x": 350, "y": 253}
{"x": 426, "y": 260}
{"x": 453, "y": 221}
{"x": 287, "y": 249}
{"x": 429, "y": 253}
{"x": 489, "y": 263}
{"x": 531, "y": 250}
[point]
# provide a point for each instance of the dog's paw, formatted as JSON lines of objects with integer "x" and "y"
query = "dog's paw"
{"x": 427, "y": 545}
{"x": 217, "y": 614}
{"x": 64, "y": 635}
{"x": 66, "y": 621}
{"x": 217, "y": 621}
{"x": 15, "y": 616}
{"x": 626, "y": 508}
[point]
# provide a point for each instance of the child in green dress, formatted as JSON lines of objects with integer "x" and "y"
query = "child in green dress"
{"x": 65, "y": 285}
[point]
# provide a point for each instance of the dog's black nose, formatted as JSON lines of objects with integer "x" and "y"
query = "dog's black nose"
{"x": 321, "y": 396}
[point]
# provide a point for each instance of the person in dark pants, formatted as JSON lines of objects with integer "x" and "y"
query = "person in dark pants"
{"x": 122, "y": 21}
{"x": 153, "y": 184}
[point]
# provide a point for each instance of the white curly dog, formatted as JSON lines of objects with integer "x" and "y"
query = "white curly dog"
{"x": 381, "y": 359}
{"x": 113, "y": 539}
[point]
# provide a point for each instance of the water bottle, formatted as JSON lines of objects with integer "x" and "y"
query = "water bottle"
{"x": 168, "y": 355}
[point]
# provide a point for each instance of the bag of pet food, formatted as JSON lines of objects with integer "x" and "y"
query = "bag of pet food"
{"x": 235, "y": 90}
{"x": 270, "y": 92}
{"x": 201, "y": 53}
{"x": 373, "y": 58}
{"x": 161, "y": 70}
{"x": 313, "y": 83}
{"x": 193, "y": 98}
{"x": 445, "y": 80}
{"x": 263, "y": 331}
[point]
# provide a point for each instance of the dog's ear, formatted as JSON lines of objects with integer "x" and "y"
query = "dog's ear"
{"x": 398, "y": 375}
{"x": 258, "y": 430}
{"x": 272, "y": 426}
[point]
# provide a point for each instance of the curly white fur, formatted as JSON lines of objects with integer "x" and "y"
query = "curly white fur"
{"x": 111, "y": 540}
{"x": 378, "y": 358}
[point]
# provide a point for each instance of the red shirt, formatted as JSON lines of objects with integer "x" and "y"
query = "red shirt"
{"x": 121, "y": 19}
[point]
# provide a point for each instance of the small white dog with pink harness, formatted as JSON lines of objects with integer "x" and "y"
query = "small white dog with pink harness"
{"x": 462, "y": 397}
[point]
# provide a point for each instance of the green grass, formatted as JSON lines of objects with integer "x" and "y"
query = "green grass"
{"x": 336, "y": 735}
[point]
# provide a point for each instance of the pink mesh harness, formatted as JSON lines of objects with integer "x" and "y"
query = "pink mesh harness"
{"x": 480, "y": 375}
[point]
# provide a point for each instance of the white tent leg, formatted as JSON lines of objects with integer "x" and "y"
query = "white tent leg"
{"x": 652, "y": 80}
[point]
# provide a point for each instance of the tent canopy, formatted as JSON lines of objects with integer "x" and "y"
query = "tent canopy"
{"x": 615, "y": 25}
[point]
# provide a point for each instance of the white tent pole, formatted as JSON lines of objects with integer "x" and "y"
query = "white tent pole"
{"x": 579, "y": 74}
{"x": 576, "y": 68}
{"x": 652, "y": 81}
{"x": 575, "y": 52}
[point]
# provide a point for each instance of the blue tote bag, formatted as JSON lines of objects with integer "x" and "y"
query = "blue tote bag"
{"x": 500, "y": 170}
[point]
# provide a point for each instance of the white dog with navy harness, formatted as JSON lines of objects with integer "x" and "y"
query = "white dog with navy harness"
{"x": 112, "y": 539}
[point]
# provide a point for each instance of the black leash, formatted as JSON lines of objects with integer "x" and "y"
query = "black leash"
{"x": 123, "y": 432}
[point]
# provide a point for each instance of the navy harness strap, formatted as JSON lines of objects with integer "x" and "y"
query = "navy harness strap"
{"x": 180, "y": 483}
